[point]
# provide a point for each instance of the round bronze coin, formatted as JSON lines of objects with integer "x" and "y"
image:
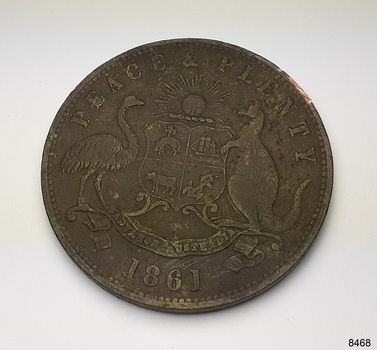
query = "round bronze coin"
{"x": 187, "y": 175}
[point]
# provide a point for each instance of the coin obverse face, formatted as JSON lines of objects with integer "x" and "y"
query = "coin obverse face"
{"x": 187, "y": 175}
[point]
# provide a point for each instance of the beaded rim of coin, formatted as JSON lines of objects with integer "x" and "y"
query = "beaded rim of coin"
{"x": 208, "y": 109}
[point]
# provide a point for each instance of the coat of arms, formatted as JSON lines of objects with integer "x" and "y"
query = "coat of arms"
{"x": 183, "y": 169}
{"x": 183, "y": 165}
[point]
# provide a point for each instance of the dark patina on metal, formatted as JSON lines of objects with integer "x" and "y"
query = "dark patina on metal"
{"x": 187, "y": 175}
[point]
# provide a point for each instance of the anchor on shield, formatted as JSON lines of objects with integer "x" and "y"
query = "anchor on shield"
{"x": 183, "y": 165}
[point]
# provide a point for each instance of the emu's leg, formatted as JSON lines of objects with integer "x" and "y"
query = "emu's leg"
{"x": 97, "y": 183}
{"x": 83, "y": 179}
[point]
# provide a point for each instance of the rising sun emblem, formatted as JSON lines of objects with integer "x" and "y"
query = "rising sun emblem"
{"x": 193, "y": 99}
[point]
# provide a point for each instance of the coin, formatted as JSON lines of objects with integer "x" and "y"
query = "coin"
{"x": 187, "y": 175}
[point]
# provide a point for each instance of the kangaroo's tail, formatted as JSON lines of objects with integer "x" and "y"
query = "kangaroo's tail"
{"x": 276, "y": 223}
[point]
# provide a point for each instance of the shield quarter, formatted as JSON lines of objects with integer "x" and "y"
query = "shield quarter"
{"x": 183, "y": 165}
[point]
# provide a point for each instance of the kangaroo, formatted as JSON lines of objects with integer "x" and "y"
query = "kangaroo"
{"x": 253, "y": 188}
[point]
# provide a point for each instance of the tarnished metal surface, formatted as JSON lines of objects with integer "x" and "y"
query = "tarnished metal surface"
{"x": 187, "y": 175}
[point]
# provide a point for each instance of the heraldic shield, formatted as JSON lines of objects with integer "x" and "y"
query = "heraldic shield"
{"x": 183, "y": 165}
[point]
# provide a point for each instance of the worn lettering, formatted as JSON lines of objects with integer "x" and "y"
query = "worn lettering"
{"x": 301, "y": 128}
{"x": 226, "y": 62}
{"x": 114, "y": 85}
{"x": 307, "y": 155}
{"x": 95, "y": 100}
{"x": 133, "y": 71}
{"x": 157, "y": 62}
{"x": 245, "y": 75}
{"x": 78, "y": 118}
{"x": 268, "y": 88}
{"x": 285, "y": 107}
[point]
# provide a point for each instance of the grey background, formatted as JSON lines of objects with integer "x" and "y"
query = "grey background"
{"x": 328, "y": 47}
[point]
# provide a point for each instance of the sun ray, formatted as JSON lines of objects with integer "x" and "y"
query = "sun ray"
{"x": 194, "y": 98}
